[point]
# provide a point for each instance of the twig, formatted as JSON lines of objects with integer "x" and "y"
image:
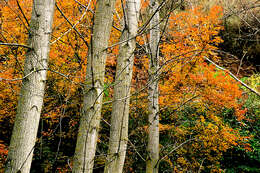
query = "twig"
{"x": 15, "y": 45}
{"x": 86, "y": 9}
{"x": 240, "y": 64}
{"x": 174, "y": 150}
{"x": 136, "y": 150}
{"x": 74, "y": 27}
{"x": 18, "y": 78}
{"x": 201, "y": 165}
{"x": 20, "y": 8}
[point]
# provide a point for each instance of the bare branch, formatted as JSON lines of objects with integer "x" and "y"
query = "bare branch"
{"x": 232, "y": 75}
{"x": 175, "y": 149}
{"x": 74, "y": 27}
{"x": 14, "y": 45}
{"x": 63, "y": 34}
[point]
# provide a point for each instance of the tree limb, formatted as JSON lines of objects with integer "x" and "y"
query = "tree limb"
{"x": 15, "y": 45}
{"x": 233, "y": 76}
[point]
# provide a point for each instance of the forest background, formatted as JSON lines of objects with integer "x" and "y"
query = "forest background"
{"x": 209, "y": 121}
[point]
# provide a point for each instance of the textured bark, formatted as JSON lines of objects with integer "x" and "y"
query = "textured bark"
{"x": 32, "y": 91}
{"x": 153, "y": 108}
{"x": 93, "y": 91}
{"x": 120, "y": 107}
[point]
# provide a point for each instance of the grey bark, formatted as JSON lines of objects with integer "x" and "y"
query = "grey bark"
{"x": 120, "y": 107}
{"x": 93, "y": 91}
{"x": 153, "y": 93}
{"x": 32, "y": 92}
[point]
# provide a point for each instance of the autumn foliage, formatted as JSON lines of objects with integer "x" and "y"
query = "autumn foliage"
{"x": 193, "y": 93}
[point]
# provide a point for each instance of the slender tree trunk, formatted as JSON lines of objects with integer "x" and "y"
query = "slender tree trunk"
{"x": 153, "y": 107}
{"x": 32, "y": 91}
{"x": 93, "y": 91}
{"x": 120, "y": 107}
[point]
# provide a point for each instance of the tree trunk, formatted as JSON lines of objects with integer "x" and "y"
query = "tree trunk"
{"x": 120, "y": 107}
{"x": 153, "y": 93}
{"x": 32, "y": 91}
{"x": 93, "y": 91}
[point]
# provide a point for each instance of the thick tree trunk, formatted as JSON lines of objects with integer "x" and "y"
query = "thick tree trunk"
{"x": 120, "y": 107}
{"x": 153, "y": 107}
{"x": 32, "y": 91}
{"x": 93, "y": 92}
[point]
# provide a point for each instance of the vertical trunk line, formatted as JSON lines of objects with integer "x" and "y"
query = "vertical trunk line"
{"x": 32, "y": 92}
{"x": 120, "y": 107}
{"x": 93, "y": 90}
{"x": 153, "y": 93}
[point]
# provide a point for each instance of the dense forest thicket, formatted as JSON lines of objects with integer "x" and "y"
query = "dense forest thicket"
{"x": 129, "y": 86}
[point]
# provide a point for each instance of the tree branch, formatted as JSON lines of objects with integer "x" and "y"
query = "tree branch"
{"x": 15, "y": 45}
{"x": 73, "y": 27}
{"x": 232, "y": 75}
